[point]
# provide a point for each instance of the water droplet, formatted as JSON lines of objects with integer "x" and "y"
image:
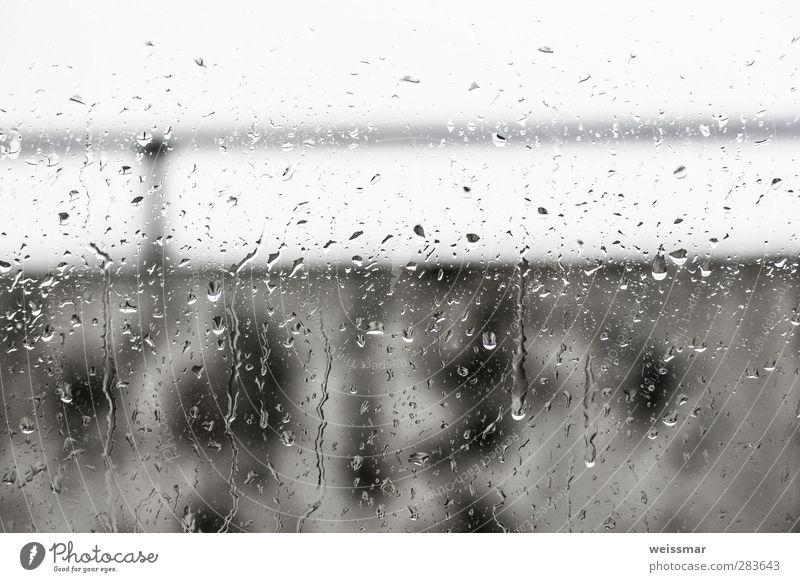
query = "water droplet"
{"x": 670, "y": 419}
{"x": 47, "y": 333}
{"x": 65, "y": 393}
{"x": 518, "y": 410}
{"x": 375, "y": 328}
{"x": 26, "y": 425}
{"x": 659, "y": 267}
{"x": 144, "y": 138}
{"x": 218, "y": 325}
{"x": 795, "y": 320}
{"x": 419, "y": 459}
{"x": 678, "y": 257}
{"x": 214, "y": 291}
{"x": 489, "y": 340}
{"x": 752, "y": 374}
{"x": 297, "y": 265}
{"x": 287, "y": 438}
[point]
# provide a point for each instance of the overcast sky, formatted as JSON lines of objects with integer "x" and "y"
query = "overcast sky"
{"x": 221, "y": 70}
{"x": 342, "y": 63}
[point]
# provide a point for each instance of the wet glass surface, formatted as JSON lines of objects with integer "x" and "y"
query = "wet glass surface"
{"x": 489, "y": 316}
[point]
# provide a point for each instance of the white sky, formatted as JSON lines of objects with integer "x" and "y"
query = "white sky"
{"x": 341, "y": 64}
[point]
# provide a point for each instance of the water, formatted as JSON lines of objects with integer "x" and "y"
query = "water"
{"x": 109, "y": 375}
{"x": 659, "y": 270}
{"x": 589, "y": 422}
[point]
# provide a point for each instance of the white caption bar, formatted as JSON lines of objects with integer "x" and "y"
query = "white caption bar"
{"x": 399, "y": 556}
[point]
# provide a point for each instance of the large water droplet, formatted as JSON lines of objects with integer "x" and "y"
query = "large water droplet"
{"x": 659, "y": 267}
{"x": 26, "y": 425}
{"x": 419, "y": 458}
{"x": 518, "y": 410}
{"x": 214, "y": 291}
{"x": 144, "y": 138}
{"x": 678, "y": 257}
{"x": 287, "y": 438}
